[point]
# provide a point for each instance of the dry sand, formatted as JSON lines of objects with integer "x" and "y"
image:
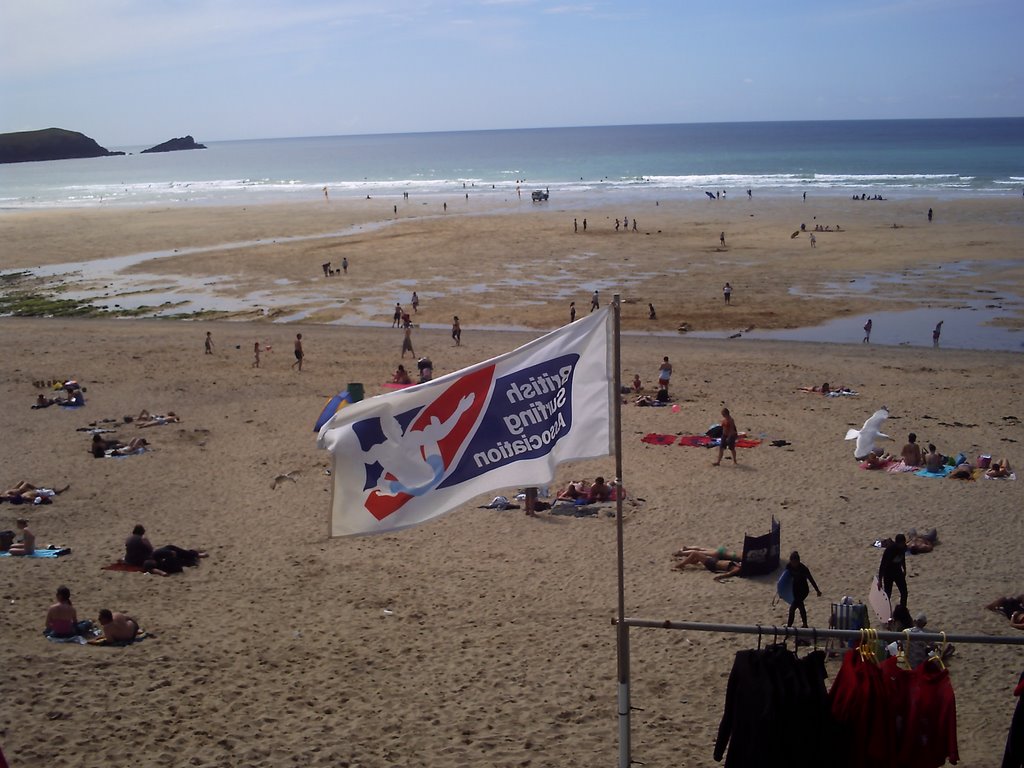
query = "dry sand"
{"x": 483, "y": 638}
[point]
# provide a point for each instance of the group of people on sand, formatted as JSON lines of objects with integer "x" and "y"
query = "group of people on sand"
{"x": 585, "y": 492}
{"x": 913, "y": 457}
{"x": 110, "y": 446}
{"x": 62, "y": 618}
{"x": 62, "y": 622}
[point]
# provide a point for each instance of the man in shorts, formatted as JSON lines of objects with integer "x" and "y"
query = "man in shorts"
{"x": 728, "y": 439}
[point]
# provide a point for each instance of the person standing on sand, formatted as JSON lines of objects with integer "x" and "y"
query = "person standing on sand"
{"x": 407, "y": 342}
{"x": 727, "y": 292}
{"x": 595, "y": 302}
{"x": 456, "y": 331}
{"x": 584, "y": 225}
{"x": 801, "y": 576}
{"x": 299, "y": 354}
{"x": 256, "y": 354}
{"x": 396, "y": 320}
{"x": 572, "y": 311}
{"x": 867, "y": 331}
{"x": 893, "y": 569}
{"x": 208, "y": 344}
{"x": 344, "y": 265}
{"x": 929, "y": 214}
{"x": 721, "y": 239}
{"x": 664, "y": 373}
{"x": 651, "y": 314}
{"x": 936, "y": 333}
{"x": 814, "y": 241}
{"x": 728, "y": 439}
{"x": 415, "y": 302}
{"x": 575, "y": 226}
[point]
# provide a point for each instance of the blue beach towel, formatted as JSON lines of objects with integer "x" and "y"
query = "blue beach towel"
{"x": 56, "y": 552}
{"x": 925, "y": 473}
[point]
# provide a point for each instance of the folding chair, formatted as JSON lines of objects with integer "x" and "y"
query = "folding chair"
{"x": 846, "y": 616}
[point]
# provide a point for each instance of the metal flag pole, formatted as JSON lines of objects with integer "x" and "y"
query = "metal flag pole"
{"x": 621, "y": 629}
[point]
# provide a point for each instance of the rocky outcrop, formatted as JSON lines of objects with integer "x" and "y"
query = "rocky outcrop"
{"x": 186, "y": 142}
{"x": 48, "y": 144}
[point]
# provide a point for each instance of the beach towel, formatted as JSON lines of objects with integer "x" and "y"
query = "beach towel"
{"x": 120, "y": 453}
{"x": 49, "y": 552}
{"x": 884, "y": 464}
{"x": 139, "y": 637}
{"x": 843, "y": 393}
{"x": 1011, "y": 476}
{"x": 703, "y": 441}
{"x": 925, "y": 473}
{"x": 900, "y": 466}
{"x": 656, "y": 439}
{"x": 125, "y": 567}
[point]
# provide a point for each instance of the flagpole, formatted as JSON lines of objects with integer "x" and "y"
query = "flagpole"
{"x": 622, "y": 631}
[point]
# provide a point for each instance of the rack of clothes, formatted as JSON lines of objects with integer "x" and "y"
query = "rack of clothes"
{"x": 879, "y": 712}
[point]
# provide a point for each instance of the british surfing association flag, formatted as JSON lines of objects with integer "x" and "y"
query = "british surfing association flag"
{"x": 408, "y": 456}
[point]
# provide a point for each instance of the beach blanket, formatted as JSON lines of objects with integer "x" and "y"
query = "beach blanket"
{"x": 703, "y": 441}
{"x": 45, "y": 553}
{"x": 925, "y": 473}
{"x": 125, "y": 567}
{"x": 120, "y": 453}
{"x": 843, "y": 393}
{"x": 884, "y": 464}
{"x": 1011, "y": 476}
{"x": 656, "y": 439}
{"x": 86, "y": 631}
{"x": 900, "y": 466}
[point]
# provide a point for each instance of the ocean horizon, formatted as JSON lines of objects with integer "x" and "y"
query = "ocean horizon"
{"x": 942, "y": 158}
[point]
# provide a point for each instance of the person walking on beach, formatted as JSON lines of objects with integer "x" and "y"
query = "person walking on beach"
{"x": 814, "y": 241}
{"x": 407, "y": 342}
{"x": 256, "y": 354}
{"x": 801, "y": 576}
{"x": 595, "y": 302}
{"x": 415, "y": 302}
{"x": 727, "y": 292}
{"x": 651, "y": 314}
{"x": 572, "y": 311}
{"x": 298, "y": 352}
{"x": 456, "y": 331}
{"x": 208, "y": 344}
{"x": 721, "y": 239}
{"x": 728, "y": 439}
{"x": 584, "y": 225}
{"x": 396, "y": 320}
{"x": 893, "y": 569}
{"x": 344, "y": 265}
{"x": 929, "y": 214}
{"x": 936, "y": 333}
{"x": 867, "y": 332}
{"x": 575, "y": 226}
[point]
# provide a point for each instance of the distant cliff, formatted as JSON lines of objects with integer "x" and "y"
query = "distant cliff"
{"x": 174, "y": 145}
{"x": 48, "y": 144}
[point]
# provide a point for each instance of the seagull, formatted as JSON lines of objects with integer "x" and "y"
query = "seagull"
{"x": 868, "y": 434}
{"x": 281, "y": 478}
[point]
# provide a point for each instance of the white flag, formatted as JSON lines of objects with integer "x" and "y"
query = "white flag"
{"x": 408, "y": 456}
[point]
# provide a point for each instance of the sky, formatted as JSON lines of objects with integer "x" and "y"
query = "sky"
{"x": 137, "y": 72}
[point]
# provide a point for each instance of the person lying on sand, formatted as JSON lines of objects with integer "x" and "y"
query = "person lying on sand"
{"x": 877, "y": 461}
{"x": 999, "y": 469}
{"x": 101, "y": 445}
{"x": 146, "y": 419}
{"x": 26, "y": 493}
{"x": 724, "y": 567}
{"x": 166, "y": 560}
{"x": 1017, "y": 620}
{"x": 1007, "y": 606}
{"x": 823, "y": 389}
{"x": 962, "y": 472}
{"x": 719, "y": 553}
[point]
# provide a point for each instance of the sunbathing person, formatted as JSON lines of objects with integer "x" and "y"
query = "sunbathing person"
{"x": 999, "y": 469}
{"x": 100, "y": 446}
{"x": 45, "y": 402}
{"x": 138, "y": 551}
{"x": 719, "y": 553}
{"x": 724, "y": 567}
{"x": 401, "y": 376}
{"x": 823, "y": 389}
{"x": 575, "y": 490}
{"x": 911, "y": 452}
{"x": 117, "y": 627}
{"x": 637, "y": 385}
{"x": 599, "y": 491}
{"x": 27, "y": 545}
{"x": 61, "y": 617}
{"x": 933, "y": 461}
{"x": 962, "y": 472}
{"x": 877, "y": 461}
{"x": 1017, "y": 620}
{"x": 921, "y": 543}
{"x": 26, "y": 493}
{"x": 1007, "y": 606}
{"x": 146, "y": 419}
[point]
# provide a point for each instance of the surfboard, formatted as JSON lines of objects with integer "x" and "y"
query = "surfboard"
{"x": 784, "y": 586}
{"x": 879, "y": 602}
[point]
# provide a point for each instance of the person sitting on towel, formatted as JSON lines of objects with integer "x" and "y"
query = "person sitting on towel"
{"x": 933, "y": 462}
{"x": 911, "y": 452}
{"x": 117, "y": 627}
{"x": 61, "y": 617}
{"x": 877, "y": 461}
{"x": 599, "y": 491}
{"x": 45, "y": 402}
{"x": 999, "y": 469}
{"x": 27, "y": 545}
{"x": 401, "y": 376}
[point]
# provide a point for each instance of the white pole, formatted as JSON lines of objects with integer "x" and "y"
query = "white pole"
{"x": 621, "y": 629}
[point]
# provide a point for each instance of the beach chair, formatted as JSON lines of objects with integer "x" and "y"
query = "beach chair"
{"x": 845, "y": 616}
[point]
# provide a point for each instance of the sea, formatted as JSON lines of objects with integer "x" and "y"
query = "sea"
{"x": 948, "y": 158}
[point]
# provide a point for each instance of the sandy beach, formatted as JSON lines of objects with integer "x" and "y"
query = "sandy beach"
{"x": 485, "y": 637}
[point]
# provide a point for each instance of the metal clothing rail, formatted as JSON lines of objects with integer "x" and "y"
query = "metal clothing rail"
{"x": 811, "y": 633}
